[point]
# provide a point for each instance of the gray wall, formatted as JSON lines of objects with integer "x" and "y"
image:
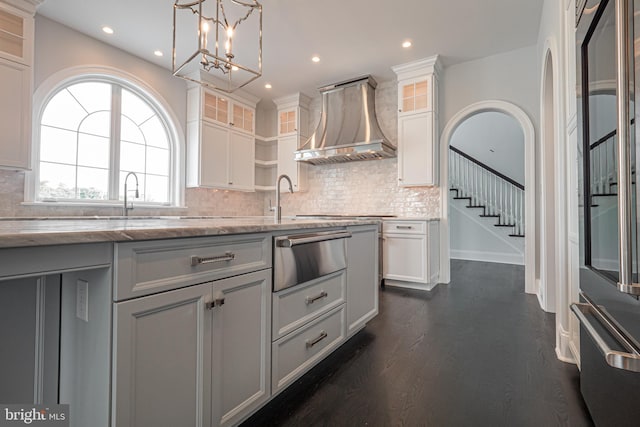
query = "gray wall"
{"x": 511, "y": 76}
{"x": 58, "y": 47}
{"x": 496, "y": 139}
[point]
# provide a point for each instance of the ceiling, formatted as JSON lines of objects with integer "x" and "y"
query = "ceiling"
{"x": 352, "y": 37}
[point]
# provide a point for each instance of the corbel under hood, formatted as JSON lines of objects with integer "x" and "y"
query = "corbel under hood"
{"x": 348, "y": 128}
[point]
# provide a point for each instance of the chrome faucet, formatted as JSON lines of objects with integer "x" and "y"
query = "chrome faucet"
{"x": 126, "y": 208}
{"x": 278, "y": 208}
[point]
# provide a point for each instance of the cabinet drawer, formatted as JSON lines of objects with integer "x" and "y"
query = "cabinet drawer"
{"x": 295, "y": 306}
{"x": 148, "y": 267}
{"x": 297, "y": 352}
{"x": 408, "y": 227}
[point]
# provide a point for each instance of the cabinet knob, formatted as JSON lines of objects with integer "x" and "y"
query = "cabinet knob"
{"x": 215, "y": 303}
{"x": 399, "y": 111}
{"x": 231, "y": 124}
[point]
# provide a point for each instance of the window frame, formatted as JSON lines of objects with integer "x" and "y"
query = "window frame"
{"x": 65, "y": 78}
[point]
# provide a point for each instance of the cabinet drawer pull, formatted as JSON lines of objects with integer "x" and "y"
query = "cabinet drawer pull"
{"x": 311, "y": 343}
{"x": 311, "y": 300}
{"x": 228, "y": 256}
{"x": 404, "y": 227}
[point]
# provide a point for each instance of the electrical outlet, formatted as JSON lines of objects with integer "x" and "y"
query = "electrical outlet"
{"x": 82, "y": 300}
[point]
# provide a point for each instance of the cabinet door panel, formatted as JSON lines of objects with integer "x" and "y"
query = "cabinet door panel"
{"x": 161, "y": 354}
{"x": 214, "y": 156}
{"x": 362, "y": 278}
{"x": 15, "y": 106}
{"x": 416, "y": 153}
{"x": 242, "y": 158}
{"x": 287, "y": 164}
{"x": 405, "y": 257}
{"x": 241, "y": 337}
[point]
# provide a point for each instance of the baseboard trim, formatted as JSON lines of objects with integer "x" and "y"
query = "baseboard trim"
{"x": 410, "y": 285}
{"x": 502, "y": 258}
{"x": 563, "y": 339}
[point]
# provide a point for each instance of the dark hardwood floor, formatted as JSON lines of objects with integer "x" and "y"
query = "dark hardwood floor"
{"x": 476, "y": 352}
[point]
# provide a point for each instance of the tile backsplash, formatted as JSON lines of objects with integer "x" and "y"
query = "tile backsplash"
{"x": 199, "y": 201}
{"x": 367, "y": 187}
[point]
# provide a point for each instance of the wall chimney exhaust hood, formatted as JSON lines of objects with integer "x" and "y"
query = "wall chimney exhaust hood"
{"x": 348, "y": 128}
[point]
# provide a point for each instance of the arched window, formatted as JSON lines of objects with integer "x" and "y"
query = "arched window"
{"x": 92, "y": 132}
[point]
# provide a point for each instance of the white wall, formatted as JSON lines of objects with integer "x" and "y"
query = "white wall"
{"x": 510, "y": 76}
{"x": 477, "y": 239}
{"x": 58, "y": 47}
{"x": 496, "y": 139}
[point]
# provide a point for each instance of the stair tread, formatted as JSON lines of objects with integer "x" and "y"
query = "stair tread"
{"x": 504, "y": 225}
{"x": 516, "y": 235}
{"x": 489, "y": 216}
{"x": 604, "y": 194}
{"x": 461, "y": 198}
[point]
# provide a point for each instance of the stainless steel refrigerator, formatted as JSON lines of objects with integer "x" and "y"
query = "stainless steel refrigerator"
{"x": 608, "y": 53}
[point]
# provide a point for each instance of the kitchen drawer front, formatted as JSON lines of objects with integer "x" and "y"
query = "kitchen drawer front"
{"x": 404, "y": 227}
{"x": 148, "y": 267}
{"x": 293, "y": 307}
{"x": 296, "y": 353}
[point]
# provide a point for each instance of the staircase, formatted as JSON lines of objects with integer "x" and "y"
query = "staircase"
{"x": 486, "y": 190}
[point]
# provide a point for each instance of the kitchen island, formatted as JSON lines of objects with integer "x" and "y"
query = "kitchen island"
{"x": 169, "y": 320}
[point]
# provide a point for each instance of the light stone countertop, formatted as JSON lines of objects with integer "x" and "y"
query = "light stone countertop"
{"x": 21, "y": 232}
{"x": 412, "y": 218}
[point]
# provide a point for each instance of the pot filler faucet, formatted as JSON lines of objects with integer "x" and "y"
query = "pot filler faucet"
{"x": 126, "y": 208}
{"x": 278, "y": 214}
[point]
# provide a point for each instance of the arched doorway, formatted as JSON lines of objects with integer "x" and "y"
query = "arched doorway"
{"x": 529, "y": 152}
{"x": 489, "y": 148}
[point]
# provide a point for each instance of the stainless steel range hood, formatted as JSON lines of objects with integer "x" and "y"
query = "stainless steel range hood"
{"x": 348, "y": 128}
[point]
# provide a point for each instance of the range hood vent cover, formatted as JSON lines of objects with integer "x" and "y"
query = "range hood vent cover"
{"x": 348, "y": 129}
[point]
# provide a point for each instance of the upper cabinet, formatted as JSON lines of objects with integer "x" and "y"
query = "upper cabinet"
{"x": 293, "y": 115}
{"x": 16, "y": 82}
{"x": 220, "y": 140}
{"x": 418, "y": 122}
{"x": 293, "y": 130}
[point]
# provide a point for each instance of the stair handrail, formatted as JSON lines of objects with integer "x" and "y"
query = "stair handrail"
{"x": 486, "y": 167}
{"x": 603, "y": 139}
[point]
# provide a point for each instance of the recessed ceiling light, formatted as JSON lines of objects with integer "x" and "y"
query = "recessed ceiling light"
{"x": 315, "y": 59}
{"x": 158, "y": 53}
{"x": 406, "y": 44}
{"x": 268, "y": 86}
{"x": 107, "y": 30}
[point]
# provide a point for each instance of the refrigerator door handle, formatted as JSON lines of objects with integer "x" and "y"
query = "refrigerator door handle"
{"x": 625, "y": 270}
{"x": 628, "y": 361}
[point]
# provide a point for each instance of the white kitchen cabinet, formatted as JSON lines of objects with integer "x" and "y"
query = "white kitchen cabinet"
{"x": 417, "y": 158}
{"x": 196, "y": 356}
{"x": 16, "y": 81}
{"x": 362, "y": 277}
{"x": 241, "y": 339}
{"x": 220, "y": 141}
{"x": 293, "y": 130}
{"x": 418, "y": 136}
{"x": 162, "y": 359}
{"x": 410, "y": 253}
{"x": 287, "y": 165}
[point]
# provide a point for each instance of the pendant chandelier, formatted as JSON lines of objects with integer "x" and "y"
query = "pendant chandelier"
{"x": 217, "y": 43}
